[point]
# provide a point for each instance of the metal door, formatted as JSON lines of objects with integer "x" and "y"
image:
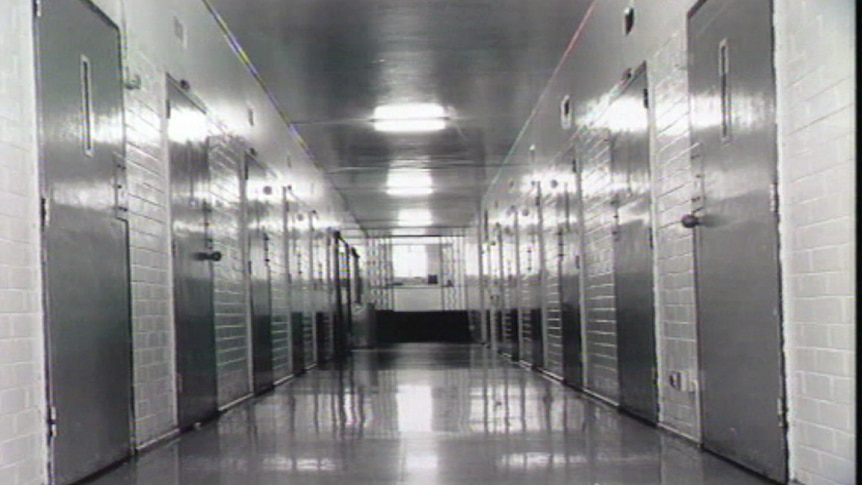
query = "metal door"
{"x": 633, "y": 252}
{"x": 296, "y": 272}
{"x": 497, "y": 280}
{"x": 553, "y": 226}
{"x": 310, "y": 317}
{"x": 570, "y": 286}
{"x": 85, "y": 239}
{"x": 193, "y": 257}
{"x": 530, "y": 280}
{"x": 732, "y": 87}
{"x": 343, "y": 284}
{"x": 511, "y": 327}
{"x": 260, "y": 274}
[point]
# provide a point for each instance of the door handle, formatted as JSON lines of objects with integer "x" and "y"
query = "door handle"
{"x": 212, "y": 256}
{"x": 690, "y": 221}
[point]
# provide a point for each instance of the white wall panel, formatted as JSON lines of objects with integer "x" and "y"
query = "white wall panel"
{"x": 22, "y": 380}
{"x": 817, "y": 168}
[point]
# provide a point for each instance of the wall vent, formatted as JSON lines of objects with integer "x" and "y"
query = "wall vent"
{"x": 628, "y": 20}
{"x": 180, "y": 31}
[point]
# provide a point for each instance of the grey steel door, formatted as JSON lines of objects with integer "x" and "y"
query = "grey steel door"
{"x": 633, "y": 253}
{"x": 85, "y": 239}
{"x": 570, "y": 287}
{"x": 732, "y": 87}
{"x": 260, "y": 276}
{"x": 193, "y": 257}
{"x": 296, "y": 287}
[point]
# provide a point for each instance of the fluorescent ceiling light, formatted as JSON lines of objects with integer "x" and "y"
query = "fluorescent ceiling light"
{"x": 415, "y": 218}
{"x": 409, "y": 126}
{"x": 409, "y": 183}
{"x": 409, "y": 191}
{"x": 409, "y": 111}
{"x": 409, "y": 118}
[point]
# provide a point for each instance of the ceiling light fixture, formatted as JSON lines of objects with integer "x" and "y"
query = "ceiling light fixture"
{"x": 415, "y": 218}
{"x": 409, "y": 191}
{"x": 409, "y": 183}
{"x": 409, "y": 118}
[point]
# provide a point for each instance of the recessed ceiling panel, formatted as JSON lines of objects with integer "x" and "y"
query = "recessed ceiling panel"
{"x": 331, "y": 63}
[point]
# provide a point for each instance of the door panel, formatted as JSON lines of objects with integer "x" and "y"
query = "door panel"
{"x": 86, "y": 266}
{"x": 260, "y": 275}
{"x": 633, "y": 254}
{"x": 511, "y": 272}
{"x": 732, "y": 86}
{"x": 570, "y": 287}
{"x": 296, "y": 272}
{"x": 192, "y": 254}
{"x": 553, "y": 223}
{"x": 310, "y": 314}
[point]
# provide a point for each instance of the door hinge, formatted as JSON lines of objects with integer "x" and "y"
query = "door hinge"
{"x": 44, "y": 211}
{"x": 773, "y": 198}
{"x": 37, "y": 8}
{"x": 782, "y": 412}
{"x": 650, "y": 238}
{"x": 646, "y": 98}
{"x": 52, "y": 422}
{"x": 121, "y": 194}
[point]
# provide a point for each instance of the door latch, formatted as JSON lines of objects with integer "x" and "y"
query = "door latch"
{"x": 52, "y": 422}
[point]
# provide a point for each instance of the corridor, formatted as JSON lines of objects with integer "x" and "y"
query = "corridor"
{"x": 429, "y": 414}
{"x": 584, "y": 242}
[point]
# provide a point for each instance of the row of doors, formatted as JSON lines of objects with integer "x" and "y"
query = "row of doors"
{"x": 86, "y": 249}
{"x": 734, "y": 223}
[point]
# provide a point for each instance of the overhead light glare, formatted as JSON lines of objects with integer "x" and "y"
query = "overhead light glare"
{"x": 409, "y": 191}
{"x": 408, "y": 178}
{"x": 415, "y": 218}
{"x": 410, "y": 126}
{"x": 409, "y": 111}
{"x": 409, "y": 118}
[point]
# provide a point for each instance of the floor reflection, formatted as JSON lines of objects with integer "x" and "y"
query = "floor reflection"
{"x": 426, "y": 414}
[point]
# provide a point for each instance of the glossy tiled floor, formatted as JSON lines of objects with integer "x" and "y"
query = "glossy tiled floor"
{"x": 426, "y": 414}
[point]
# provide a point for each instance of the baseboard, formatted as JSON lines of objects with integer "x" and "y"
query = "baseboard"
{"x": 156, "y": 442}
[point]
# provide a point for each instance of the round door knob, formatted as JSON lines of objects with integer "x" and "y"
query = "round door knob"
{"x": 690, "y": 221}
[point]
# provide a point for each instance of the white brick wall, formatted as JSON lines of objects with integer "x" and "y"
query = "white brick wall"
{"x": 22, "y": 385}
{"x": 674, "y": 272}
{"x": 593, "y": 154}
{"x": 226, "y": 157}
{"x": 817, "y": 166}
{"x": 149, "y": 233}
{"x": 282, "y": 334}
{"x": 817, "y": 159}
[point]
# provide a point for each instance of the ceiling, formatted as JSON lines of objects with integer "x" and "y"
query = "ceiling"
{"x": 329, "y": 63}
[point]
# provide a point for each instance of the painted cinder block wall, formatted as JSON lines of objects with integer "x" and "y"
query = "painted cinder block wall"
{"x": 817, "y": 158}
{"x": 184, "y": 40}
{"x": 152, "y": 50}
{"x": 22, "y": 382}
{"x": 815, "y": 48}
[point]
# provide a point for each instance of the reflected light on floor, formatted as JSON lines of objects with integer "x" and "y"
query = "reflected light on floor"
{"x": 415, "y": 408}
